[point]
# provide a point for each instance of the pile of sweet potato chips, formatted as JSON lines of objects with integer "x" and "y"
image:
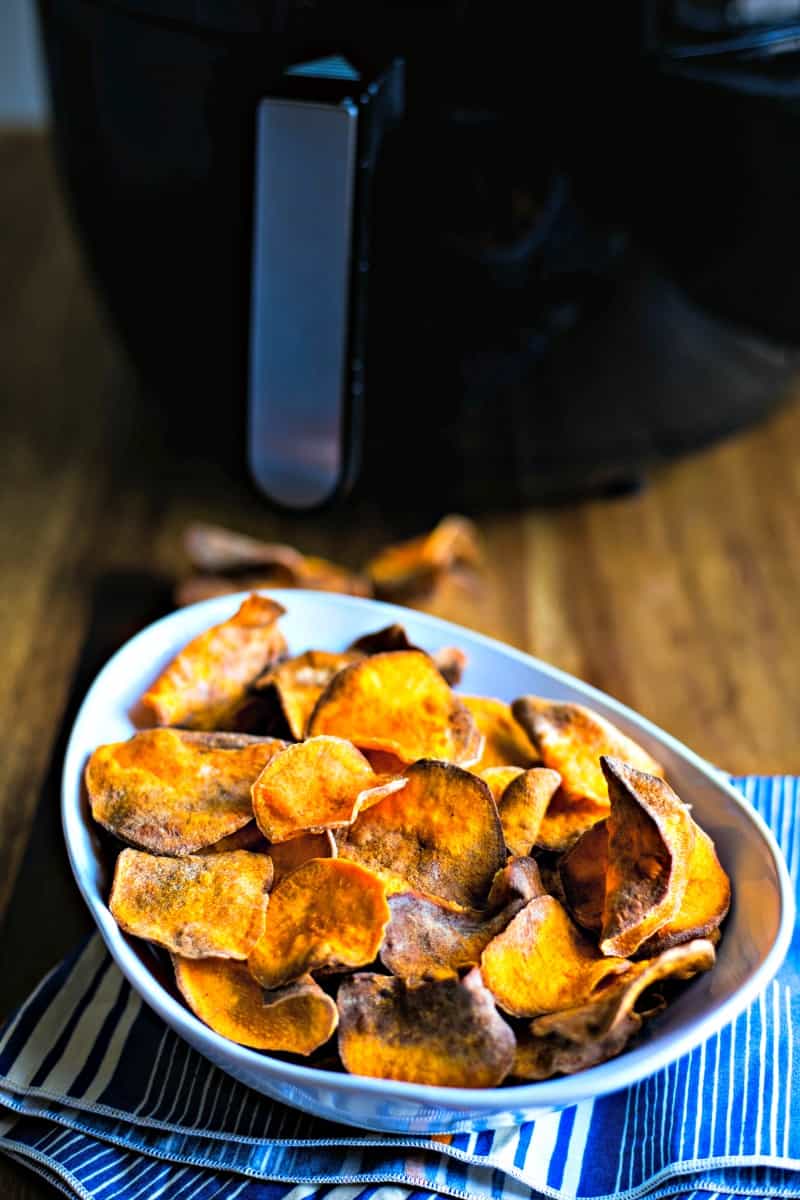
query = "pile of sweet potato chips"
{"x": 465, "y": 892}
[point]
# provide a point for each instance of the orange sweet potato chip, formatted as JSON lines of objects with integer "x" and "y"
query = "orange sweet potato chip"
{"x": 523, "y": 804}
{"x": 315, "y": 785}
{"x": 446, "y": 1032}
{"x": 429, "y": 938}
{"x": 176, "y": 791}
{"x": 498, "y": 779}
{"x": 450, "y": 661}
{"x": 591, "y": 1033}
{"x": 440, "y": 834}
{"x": 705, "y": 902}
{"x": 541, "y": 962}
{"x": 411, "y": 567}
{"x": 288, "y": 856}
{"x": 582, "y": 871}
{"x": 295, "y": 1019}
{"x": 209, "y": 677}
{"x": 299, "y": 682}
{"x": 506, "y": 744}
{"x": 199, "y": 906}
{"x": 328, "y": 914}
{"x": 397, "y": 702}
{"x": 650, "y": 841}
{"x": 249, "y": 837}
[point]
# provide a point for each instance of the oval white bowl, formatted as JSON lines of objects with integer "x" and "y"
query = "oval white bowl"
{"x": 757, "y": 932}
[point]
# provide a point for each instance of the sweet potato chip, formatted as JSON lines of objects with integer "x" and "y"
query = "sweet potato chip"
{"x": 571, "y": 739}
{"x": 328, "y": 914}
{"x": 411, "y": 567}
{"x": 650, "y": 841}
{"x": 295, "y": 1019}
{"x": 541, "y": 962}
{"x": 398, "y": 702}
{"x": 429, "y": 938}
{"x": 288, "y": 856}
{"x": 523, "y": 804}
{"x": 315, "y": 785}
{"x": 582, "y": 871}
{"x": 446, "y": 1033}
{"x": 208, "y": 678}
{"x": 705, "y": 902}
{"x": 450, "y": 661}
{"x": 299, "y": 683}
{"x": 440, "y": 835}
{"x": 200, "y": 906}
{"x": 175, "y": 791}
{"x": 591, "y": 1033}
{"x": 506, "y": 744}
{"x": 249, "y": 837}
{"x": 498, "y": 779}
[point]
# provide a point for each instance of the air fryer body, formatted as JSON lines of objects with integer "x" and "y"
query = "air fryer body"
{"x": 580, "y": 252}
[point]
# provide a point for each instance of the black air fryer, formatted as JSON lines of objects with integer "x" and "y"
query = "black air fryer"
{"x": 429, "y": 249}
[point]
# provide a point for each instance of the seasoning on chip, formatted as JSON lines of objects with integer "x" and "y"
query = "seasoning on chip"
{"x": 209, "y": 677}
{"x": 523, "y": 804}
{"x": 197, "y": 906}
{"x": 429, "y": 938}
{"x": 328, "y": 914}
{"x": 705, "y": 902}
{"x": 315, "y": 785}
{"x": 175, "y": 791}
{"x": 397, "y": 702}
{"x": 446, "y": 1032}
{"x": 288, "y": 856}
{"x": 506, "y": 744}
{"x": 582, "y": 871}
{"x": 440, "y": 835}
{"x": 296, "y": 1019}
{"x": 650, "y": 841}
{"x": 450, "y": 661}
{"x": 299, "y": 682}
{"x": 411, "y": 567}
{"x": 541, "y": 962}
{"x": 583, "y": 1036}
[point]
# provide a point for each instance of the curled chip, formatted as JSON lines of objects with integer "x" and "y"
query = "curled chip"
{"x": 583, "y": 1036}
{"x": 328, "y": 914}
{"x": 315, "y": 785}
{"x": 523, "y": 804}
{"x": 249, "y": 837}
{"x": 450, "y": 661}
{"x": 498, "y": 779}
{"x": 199, "y": 906}
{"x": 541, "y": 962}
{"x": 173, "y": 791}
{"x": 571, "y": 739}
{"x": 506, "y": 744}
{"x": 411, "y": 567}
{"x": 446, "y": 1032}
{"x": 209, "y": 677}
{"x": 299, "y": 683}
{"x": 397, "y": 702}
{"x": 705, "y": 902}
{"x": 650, "y": 841}
{"x": 582, "y": 871}
{"x": 440, "y": 835}
{"x": 429, "y": 938}
{"x": 295, "y": 1019}
{"x": 288, "y": 856}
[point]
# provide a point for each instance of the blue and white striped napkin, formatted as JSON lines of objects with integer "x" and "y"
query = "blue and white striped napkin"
{"x": 99, "y": 1097}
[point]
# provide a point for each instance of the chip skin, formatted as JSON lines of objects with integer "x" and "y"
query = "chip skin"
{"x": 582, "y": 872}
{"x": 440, "y": 835}
{"x": 583, "y": 1036}
{"x": 175, "y": 791}
{"x": 206, "y": 681}
{"x": 315, "y": 785}
{"x": 523, "y": 804}
{"x": 651, "y": 836}
{"x": 398, "y": 702}
{"x": 288, "y": 856}
{"x": 506, "y": 744}
{"x": 299, "y": 682}
{"x": 542, "y": 963}
{"x": 429, "y": 938}
{"x": 326, "y": 915}
{"x": 571, "y": 739}
{"x": 296, "y": 1019}
{"x": 445, "y": 1033}
{"x": 200, "y": 906}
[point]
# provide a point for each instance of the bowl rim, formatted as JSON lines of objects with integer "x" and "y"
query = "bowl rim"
{"x": 610, "y": 1076}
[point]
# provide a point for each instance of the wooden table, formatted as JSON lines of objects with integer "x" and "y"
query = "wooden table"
{"x": 683, "y": 601}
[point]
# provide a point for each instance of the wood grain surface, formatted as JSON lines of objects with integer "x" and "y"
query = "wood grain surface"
{"x": 683, "y": 600}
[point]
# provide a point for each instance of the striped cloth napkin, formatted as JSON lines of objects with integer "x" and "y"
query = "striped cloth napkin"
{"x": 101, "y": 1099}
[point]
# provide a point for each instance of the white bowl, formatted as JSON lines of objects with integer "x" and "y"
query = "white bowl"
{"x": 757, "y": 932}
